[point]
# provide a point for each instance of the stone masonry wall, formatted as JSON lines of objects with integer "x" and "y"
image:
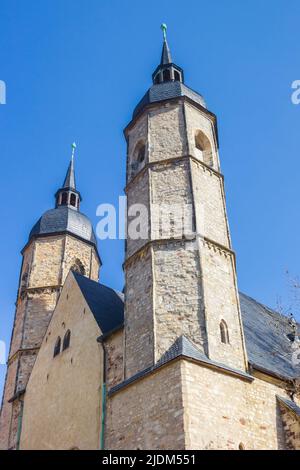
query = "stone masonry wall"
{"x": 167, "y": 133}
{"x": 291, "y": 426}
{"x": 208, "y": 194}
{"x": 192, "y": 407}
{"x": 63, "y": 397}
{"x": 40, "y": 283}
{"x": 114, "y": 359}
{"x": 222, "y": 303}
{"x": 178, "y": 296}
{"x": 197, "y": 120}
{"x": 222, "y": 411}
{"x": 138, "y": 194}
{"x": 139, "y": 333}
{"x": 76, "y": 249}
{"x": 147, "y": 414}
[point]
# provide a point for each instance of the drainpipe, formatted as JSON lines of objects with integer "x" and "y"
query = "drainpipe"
{"x": 103, "y": 395}
{"x": 20, "y": 419}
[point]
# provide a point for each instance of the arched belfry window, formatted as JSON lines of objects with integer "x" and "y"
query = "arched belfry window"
{"x": 57, "y": 347}
{"x": 64, "y": 199}
{"x": 166, "y": 75}
{"x": 78, "y": 267}
{"x": 140, "y": 152}
{"x": 203, "y": 146}
{"x": 73, "y": 200}
{"x": 224, "y": 332}
{"x": 177, "y": 76}
{"x": 66, "y": 341}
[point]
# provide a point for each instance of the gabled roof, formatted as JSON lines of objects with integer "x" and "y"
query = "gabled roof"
{"x": 106, "y": 304}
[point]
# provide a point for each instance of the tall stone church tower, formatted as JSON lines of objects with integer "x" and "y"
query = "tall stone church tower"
{"x": 180, "y": 279}
{"x": 61, "y": 240}
{"x": 181, "y": 296}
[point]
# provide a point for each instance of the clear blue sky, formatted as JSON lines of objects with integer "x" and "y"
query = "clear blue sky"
{"x": 75, "y": 69}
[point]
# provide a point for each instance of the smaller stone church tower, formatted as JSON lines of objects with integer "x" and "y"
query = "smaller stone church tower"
{"x": 62, "y": 239}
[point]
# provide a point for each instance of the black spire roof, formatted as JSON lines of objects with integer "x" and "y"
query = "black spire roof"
{"x": 166, "y": 54}
{"x": 69, "y": 182}
{"x": 168, "y": 82}
{"x": 66, "y": 217}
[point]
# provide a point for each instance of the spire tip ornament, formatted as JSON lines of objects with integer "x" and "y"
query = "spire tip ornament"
{"x": 73, "y": 150}
{"x": 163, "y": 27}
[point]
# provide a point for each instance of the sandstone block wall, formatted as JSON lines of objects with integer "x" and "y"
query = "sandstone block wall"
{"x": 63, "y": 399}
{"x": 148, "y": 414}
{"x": 231, "y": 411}
{"x": 46, "y": 263}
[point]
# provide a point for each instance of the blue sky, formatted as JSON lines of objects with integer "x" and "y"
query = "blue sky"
{"x": 74, "y": 70}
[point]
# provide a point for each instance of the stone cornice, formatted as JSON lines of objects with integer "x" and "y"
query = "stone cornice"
{"x": 165, "y": 241}
{"x": 158, "y": 164}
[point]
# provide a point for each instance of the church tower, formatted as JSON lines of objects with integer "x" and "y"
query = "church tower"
{"x": 180, "y": 277}
{"x": 182, "y": 324}
{"x": 62, "y": 239}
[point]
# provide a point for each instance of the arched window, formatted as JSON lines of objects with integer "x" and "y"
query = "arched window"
{"x": 66, "y": 341}
{"x": 78, "y": 267}
{"x": 57, "y": 347}
{"x": 166, "y": 75}
{"x": 224, "y": 332}
{"x": 176, "y": 76}
{"x": 73, "y": 200}
{"x": 64, "y": 199}
{"x": 203, "y": 146}
{"x": 140, "y": 152}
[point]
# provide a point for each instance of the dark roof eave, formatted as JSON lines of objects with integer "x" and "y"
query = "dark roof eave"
{"x": 259, "y": 368}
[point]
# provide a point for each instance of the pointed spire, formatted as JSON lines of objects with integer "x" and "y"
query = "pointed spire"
{"x": 166, "y": 54}
{"x": 68, "y": 195}
{"x": 167, "y": 71}
{"x": 70, "y": 176}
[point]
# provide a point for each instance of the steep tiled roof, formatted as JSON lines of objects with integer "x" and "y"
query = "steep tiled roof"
{"x": 106, "y": 305}
{"x": 267, "y": 343}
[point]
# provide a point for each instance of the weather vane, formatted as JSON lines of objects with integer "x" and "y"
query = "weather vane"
{"x": 164, "y": 30}
{"x": 73, "y": 150}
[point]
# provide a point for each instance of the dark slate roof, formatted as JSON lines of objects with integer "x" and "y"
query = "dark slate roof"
{"x": 290, "y": 404}
{"x": 106, "y": 304}
{"x": 267, "y": 343}
{"x": 184, "y": 347}
{"x": 168, "y": 90}
{"x": 64, "y": 219}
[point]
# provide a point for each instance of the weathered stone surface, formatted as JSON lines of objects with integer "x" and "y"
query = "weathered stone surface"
{"x": 148, "y": 414}
{"x": 46, "y": 263}
{"x": 63, "y": 397}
